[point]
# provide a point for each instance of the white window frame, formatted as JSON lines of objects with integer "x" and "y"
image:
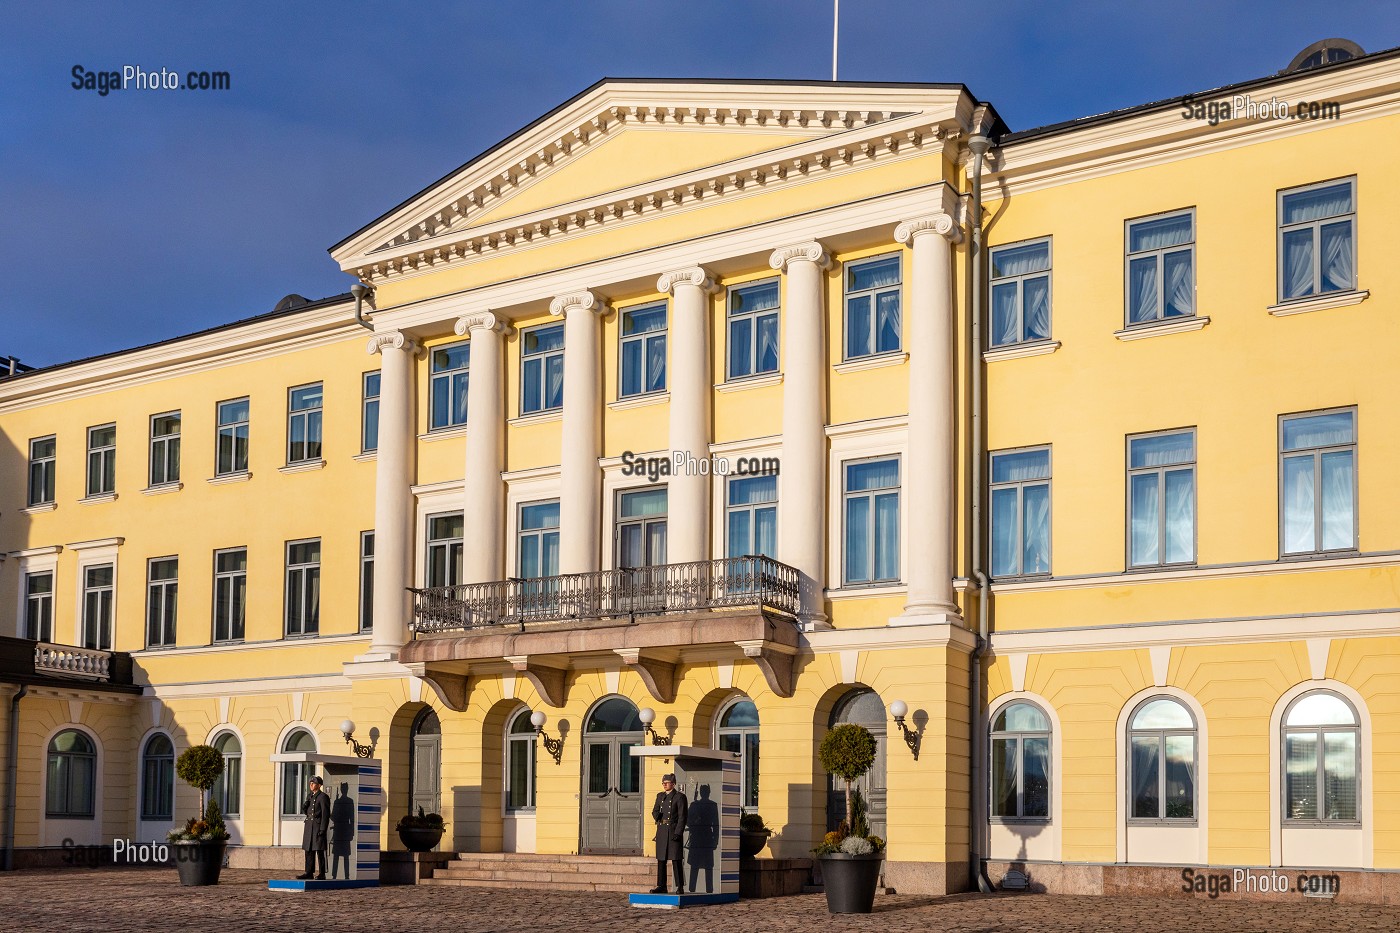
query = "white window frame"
{"x": 162, "y": 594}
{"x": 105, "y": 457}
{"x": 232, "y": 577}
{"x": 1316, "y": 454}
{"x": 751, "y": 320}
{"x": 1316, "y": 226}
{"x": 1020, "y": 282}
{"x": 1161, "y": 472}
{"x": 645, "y": 338}
{"x": 47, "y": 469}
{"x": 309, "y": 572}
{"x": 847, "y": 294}
{"x": 1160, "y": 254}
{"x": 543, "y": 356}
{"x": 165, "y": 452}
{"x": 312, "y": 419}
{"x": 235, "y": 430}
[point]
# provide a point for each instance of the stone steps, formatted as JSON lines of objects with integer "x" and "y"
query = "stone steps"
{"x": 546, "y": 872}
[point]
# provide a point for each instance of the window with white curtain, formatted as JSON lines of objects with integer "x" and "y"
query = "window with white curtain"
{"x": 521, "y": 742}
{"x": 1160, "y": 273}
{"x": 753, "y": 329}
{"x": 871, "y": 553}
{"x": 1162, "y": 499}
{"x": 42, "y": 458}
{"x": 102, "y": 460}
{"x": 1317, "y": 239}
{"x": 873, "y": 321}
{"x": 303, "y": 592}
{"x": 1020, "y": 768}
{"x": 736, "y": 730}
{"x": 228, "y": 787}
{"x": 444, "y": 565}
{"x": 751, "y": 517}
{"x": 542, "y": 369}
{"x": 304, "y": 422}
{"x": 1020, "y": 494}
{"x": 1317, "y": 484}
{"x": 1322, "y": 758}
{"x": 643, "y": 353}
{"x": 1162, "y": 762}
{"x": 537, "y": 555}
{"x": 640, "y": 528}
{"x": 450, "y": 373}
{"x": 296, "y": 775}
{"x": 1020, "y": 293}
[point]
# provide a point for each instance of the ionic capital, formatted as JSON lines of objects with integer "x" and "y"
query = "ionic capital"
{"x": 390, "y": 340}
{"x": 811, "y": 251}
{"x": 940, "y": 223}
{"x": 694, "y": 275}
{"x": 577, "y": 301}
{"x": 481, "y": 320}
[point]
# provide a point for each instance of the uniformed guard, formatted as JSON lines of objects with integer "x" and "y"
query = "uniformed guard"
{"x": 313, "y": 832}
{"x": 669, "y": 812}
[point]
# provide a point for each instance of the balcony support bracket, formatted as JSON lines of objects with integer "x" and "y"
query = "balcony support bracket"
{"x": 776, "y": 661}
{"x": 548, "y": 681}
{"x": 453, "y": 689}
{"x": 658, "y": 675}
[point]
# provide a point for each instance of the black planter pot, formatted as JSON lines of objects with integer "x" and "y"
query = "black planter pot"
{"x": 850, "y": 882}
{"x": 751, "y": 843}
{"x": 198, "y": 863}
{"x": 420, "y": 839}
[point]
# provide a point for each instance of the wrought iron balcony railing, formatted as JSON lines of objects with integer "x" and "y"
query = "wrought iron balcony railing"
{"x": 730, "y": 582}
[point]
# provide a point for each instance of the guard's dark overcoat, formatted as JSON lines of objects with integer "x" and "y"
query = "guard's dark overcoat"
{"x": 317, "y": 810}
{"x": 669, "y": 812}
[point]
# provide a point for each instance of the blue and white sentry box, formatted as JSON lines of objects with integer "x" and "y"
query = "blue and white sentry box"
{"x": 356, "y": 789}
{"x": 710, "y": 781}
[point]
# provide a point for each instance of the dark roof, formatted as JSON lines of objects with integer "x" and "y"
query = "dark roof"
{"x": 257, "y": 318}
{"x": 602, "y": 81}
{"x": 1227, "y": 90}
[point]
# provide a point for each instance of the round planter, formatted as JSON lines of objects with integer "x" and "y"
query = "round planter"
{"x": 419, "y": 839}
{"x": 198, "y": 863}
{"x": 850, "y": 882}
{"x": 751, "y": 843}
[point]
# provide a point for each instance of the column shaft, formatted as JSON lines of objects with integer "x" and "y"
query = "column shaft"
{"x": 393, "y": 502}
{"x": 483, "y": 490}
{"x": 580, "y": 502}
{"x": 688, "y": 490}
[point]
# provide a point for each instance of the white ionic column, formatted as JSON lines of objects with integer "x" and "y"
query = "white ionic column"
{"x": 688, "y": 490}
{"x": 802, "y": 512}
{"x": 581, "y": 479}
{"x": 927, "y": 481}
{"x": 393, "y": 502}
{"x": 483, "y": 490}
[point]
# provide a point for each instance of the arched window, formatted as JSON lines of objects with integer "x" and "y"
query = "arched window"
{"x": 520, "y": 762}
{"x": 296, "y": 774}
{"x": 1322, "y": 756}
{"x": 158, "y": 778}
{"x": 72, "y": 776}
{"x": 614, "y": 715}
{"x": 737, "y": 731}
{"x": 1162, "y": 762}
{"x": 1020, "y": 769}
{"x": 228, "y": 789}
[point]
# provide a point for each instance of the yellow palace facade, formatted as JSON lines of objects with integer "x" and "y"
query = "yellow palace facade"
{"x": 693, "y": 414}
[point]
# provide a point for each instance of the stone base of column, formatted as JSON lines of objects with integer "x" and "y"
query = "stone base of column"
{"x": 814, "y": 622}
{"x": 950, "y": 617}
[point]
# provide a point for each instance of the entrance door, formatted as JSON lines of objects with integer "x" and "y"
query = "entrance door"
{"x": 862, "y": 707}
{"x": 425, "y": 766}
{"x": 613, "y": 803}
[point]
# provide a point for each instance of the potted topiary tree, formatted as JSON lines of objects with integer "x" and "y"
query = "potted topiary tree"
{"x": 422, "y": 832}
{"x": 753, "y": 835}
{"x": 199, "y": 847}
{"x": 850, "y": 857}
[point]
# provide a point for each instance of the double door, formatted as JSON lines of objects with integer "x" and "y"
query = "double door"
{"x": 614, "y": 808}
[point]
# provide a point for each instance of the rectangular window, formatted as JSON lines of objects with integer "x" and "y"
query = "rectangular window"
{"x": 98, "y": 584}
{"x": 872, "y": 521}
{"x": 304, "y": 423}
{"x": 366, "y": 581}
{"x": 1317, "y": 239}
{"x": 38, "y": 606}
{"x": 1160, "y": 267}
{"x": 643, "y": 351}
{"x": 1162, "y": 499}
{"x": 753, "y": 329}
{"x": 449, "y": 386}
{"x": 303, "y": 612}
{"x": 230, "y": 593}
{"x": 41, "y": 469}
{"x": 1317, "y": 482}
{"x": 537, "y": 541}
{"x": 445, "y": 549}
{"x": 102, "y": 460}
{"x": 1020, "y": 293}
{"x": 641, "y": 528}
{"x": 232, "y": 438}
{"x": 872, "y": 307}
{"x": 165, "y": 448}
{"x": 542, "y": 369}
{"x": 751, "y": 517}
{"x": 1020, "y": 494}
{"x": 369, "y": 417}
{"x": 161, "y": 582}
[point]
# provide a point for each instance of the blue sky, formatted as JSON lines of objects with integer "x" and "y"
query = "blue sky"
{"x": 135, "y": 217}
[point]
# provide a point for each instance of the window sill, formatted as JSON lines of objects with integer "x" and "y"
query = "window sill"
{"x": 240, "y": 477}
{"x": 537, "y": 417}
{"x": 750, "y": 382}
{"x": 1016, "y": 351}
{"x": 1161, "y": 568}
{"x": 1321, "y": 824}
{"x": 304, "y": 466}
{"x": 1177, "y": 325}
{"x": 873, "y": 589}
{"x": 1166, "y": 823}
{"x": 1019, "y": 820}
{"x": 639, "y": 401}
{"x": 442, "y": 434}
{"x": 162, "y": 489}
{"x": 100, "y": 497}
{"x": 872, "y": 362}
{"x": 40, "y": 507}
{"x": 1319, "y": 303}
{"x": 369, "y": 456}
{"x": 1319, "y": 555}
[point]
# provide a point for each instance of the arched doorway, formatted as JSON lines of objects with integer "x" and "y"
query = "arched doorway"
{"x": 863, "y": 707}
{"x": 613, "y": 804}
{"x": 425, "y": 764}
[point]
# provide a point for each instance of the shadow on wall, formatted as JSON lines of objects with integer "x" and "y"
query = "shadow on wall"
{"x": 466, "y": 822}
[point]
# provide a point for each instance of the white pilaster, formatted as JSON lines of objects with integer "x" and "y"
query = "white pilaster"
{"x": 802, "y": 509}
{"x": 393, "y": 502}
{"x": 581, "y": 480}
{"x": 483, "y": 491}
{"x": 927, "y": 479}
{"x": 688, "y": 491}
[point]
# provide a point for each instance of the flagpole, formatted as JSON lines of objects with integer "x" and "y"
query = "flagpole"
{"x": 835, "y": 32}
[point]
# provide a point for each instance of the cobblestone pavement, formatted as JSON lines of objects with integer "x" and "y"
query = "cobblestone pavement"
{"x": 138, "y": 900}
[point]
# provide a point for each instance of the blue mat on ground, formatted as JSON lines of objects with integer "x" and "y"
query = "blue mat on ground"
{"x": 675, "y": 901}
{"x": 287, "y": 884}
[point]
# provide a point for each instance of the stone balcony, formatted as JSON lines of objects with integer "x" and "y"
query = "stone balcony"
{"x": 44, "y": 664}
